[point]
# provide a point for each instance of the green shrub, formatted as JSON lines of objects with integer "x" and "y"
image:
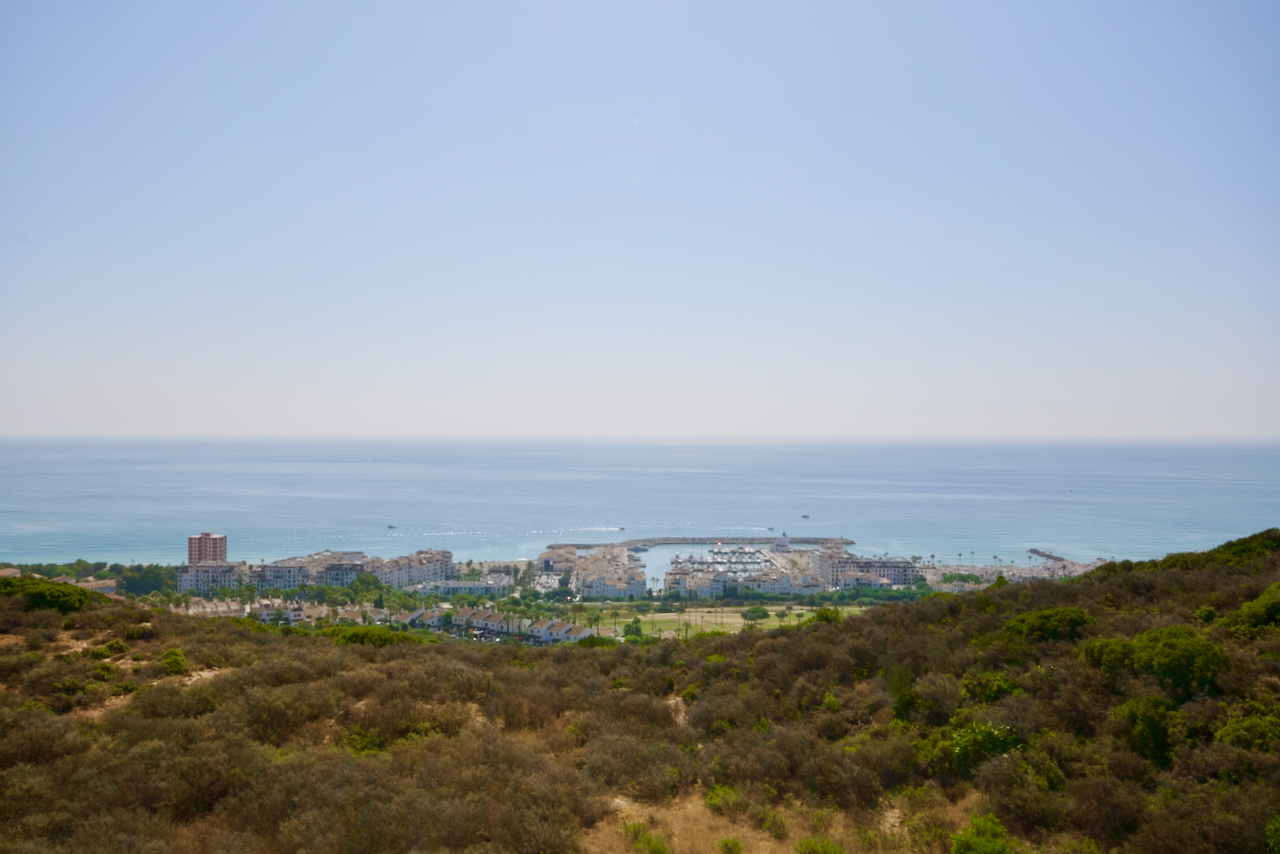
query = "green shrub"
{"x": 984, "y": 835}
{"x": 1149, "y": 725}
{"x": 826, "y": 615}
{"x": 1181, "y": 658}
{"x": 724, "y": 800}
{"x": 651, "y": 843}
{"x": 1251, "y": 731}
{"x": 1273, "y": 834}
{"x": 105, "y": 671}
{"x": 818, "y": 846}
{"x": 360, "y": 740}
{"x": 115, "y": 646}
{"x": 173, "y": 662}
{"x": 46, "y": 594}
{"x": 773, "y": 823}
{"x": 597, "y": 642}
{"x": 642, "y": 840}
{"x": 729, "y": 845}
{"x": 1110, "y": 655}
{"x": 1051, "y": 624}
{"x": 378, "y": 636}
{"x": 968, "y": 746}
{"x": 986, "y": 687}
{"x": 1257, "y": 613}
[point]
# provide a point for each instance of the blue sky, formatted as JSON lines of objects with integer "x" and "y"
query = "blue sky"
{"x": 823, "y": 220}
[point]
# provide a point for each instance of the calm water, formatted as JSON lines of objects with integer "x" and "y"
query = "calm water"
{"x": 138, "y": 501}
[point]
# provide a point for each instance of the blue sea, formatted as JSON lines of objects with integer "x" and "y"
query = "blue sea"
{"x": 136, "y": 501}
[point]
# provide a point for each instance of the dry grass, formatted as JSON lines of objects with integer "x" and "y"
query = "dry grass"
{"x": 919, "y": 820}
{"x": 687, "y": 826}
{"x": 712, "y": 619}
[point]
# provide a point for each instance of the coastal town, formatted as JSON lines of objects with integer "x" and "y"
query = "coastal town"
{"x": 495, "y": 600}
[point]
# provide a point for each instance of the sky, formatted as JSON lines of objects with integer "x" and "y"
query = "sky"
{"x": 836, "y": 221}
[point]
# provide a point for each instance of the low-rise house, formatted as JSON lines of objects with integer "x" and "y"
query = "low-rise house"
{"x": 577, "y": 633}
{"x": 97, "y": 585}
{"x": 409, "y": 617}
{"x": 291, "y": 613}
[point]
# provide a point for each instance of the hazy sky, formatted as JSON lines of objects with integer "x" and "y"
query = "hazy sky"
{"x": 950, "y": 220}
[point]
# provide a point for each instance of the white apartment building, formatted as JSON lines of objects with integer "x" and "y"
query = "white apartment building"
{"x": 831, "y": 564}
{"x": 279, "y": 576}
{"x": 493, "y": 587}
{"x": 418, "y": 568}
{"x": 852, "y": 580}
{"x": 775, "y": 584}
{"x": 695, "y": 585}
{"x": 203, "y": 579}
{"x": 619, "y": 584}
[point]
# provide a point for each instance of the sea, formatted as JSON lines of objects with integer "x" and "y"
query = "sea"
{"x": 138, "y": 501}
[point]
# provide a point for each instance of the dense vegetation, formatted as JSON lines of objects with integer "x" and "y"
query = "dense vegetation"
{"x": 137, "y": 579}
{"x": 1137, "y": 709}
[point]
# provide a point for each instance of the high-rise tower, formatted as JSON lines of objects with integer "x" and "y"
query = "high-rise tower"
{"x": 206, "y": 547}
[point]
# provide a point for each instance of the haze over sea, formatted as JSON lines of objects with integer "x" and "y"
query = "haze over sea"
{"x": 135, "y": 501}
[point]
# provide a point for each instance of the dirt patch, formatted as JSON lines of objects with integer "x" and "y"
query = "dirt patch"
{"x": 198, "y": 676}
{"x": 6, "y": 640}
{"x": 678, "y": 710}
{"x": 96, "y": 712}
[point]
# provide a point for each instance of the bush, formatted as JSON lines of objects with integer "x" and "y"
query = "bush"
{"x": 1184, "y": 661}
{"x": 1052, "y": 624}
{"x": 729, "y": 845}
{"x": 173, "y": 662}
{"x": 1258, "y": 613}
{"x": 46, "y": 594}
{"x": 986, "y": 687}
{"x": 1149, "y": 725}
{"x": 984, "y": 835}
{"x": 818, "y": 846}
{"x": 724, "y": 800}
{"x": 826, "y": 615}
{"x": 1110, "y": 655}
{"x": 378, "y": 636}
{"x": 971, "y": 745}
{"x": 773, "y": 823}
{"x": 1251, "y": 731}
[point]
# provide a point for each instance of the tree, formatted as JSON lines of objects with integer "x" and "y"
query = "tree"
{"x": 755, "y": 613}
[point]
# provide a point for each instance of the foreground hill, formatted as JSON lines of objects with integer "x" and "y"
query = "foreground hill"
{"x": 1137, "y": 709}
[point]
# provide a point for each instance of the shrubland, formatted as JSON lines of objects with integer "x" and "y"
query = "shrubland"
{"x": 1134, "y": 709}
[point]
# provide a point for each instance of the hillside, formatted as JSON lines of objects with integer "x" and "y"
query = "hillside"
{"x": 1136, "y": 708}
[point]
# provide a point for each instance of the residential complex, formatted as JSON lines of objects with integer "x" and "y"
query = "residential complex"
{"x": 324, "y": 568}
